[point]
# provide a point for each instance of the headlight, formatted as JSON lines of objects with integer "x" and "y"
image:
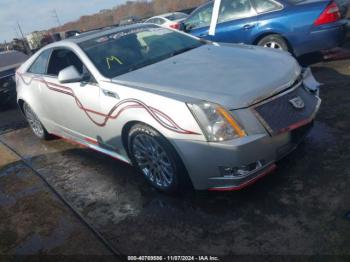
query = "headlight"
{"x": 216, "y": 123}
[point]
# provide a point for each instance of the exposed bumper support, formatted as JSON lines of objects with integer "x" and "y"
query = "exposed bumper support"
{"x": 259, "y": 175}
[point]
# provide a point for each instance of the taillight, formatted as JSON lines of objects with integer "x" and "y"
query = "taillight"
{"x": 175, "y": 26}
{"x": 329, "y": 15}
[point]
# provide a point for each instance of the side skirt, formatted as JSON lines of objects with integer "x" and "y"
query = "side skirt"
{"x": 93, "y": 144}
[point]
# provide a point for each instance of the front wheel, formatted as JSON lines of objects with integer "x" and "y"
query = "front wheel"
{"x": 34, "y": 123}
{"x": 156, "y": 159}
{"x": 275, "y": 42}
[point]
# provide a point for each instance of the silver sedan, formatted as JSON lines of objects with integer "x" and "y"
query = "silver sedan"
{"x": 183, "y": 111}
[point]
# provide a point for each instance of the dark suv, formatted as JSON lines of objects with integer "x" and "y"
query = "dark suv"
{"x": 7, "y": 88}
{"x": 9, "y": 62}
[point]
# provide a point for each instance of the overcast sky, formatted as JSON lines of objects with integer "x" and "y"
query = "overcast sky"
{"x": 37, "y": 14}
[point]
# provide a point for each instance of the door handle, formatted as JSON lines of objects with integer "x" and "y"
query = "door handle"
{"x": 248, "y": 26}
{"x": 110, "y": 93}
{"x": 203, "y": 35}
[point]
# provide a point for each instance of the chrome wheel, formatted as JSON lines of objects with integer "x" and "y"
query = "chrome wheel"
{"x": 273, "y": 44}
{"x": 33, "y": 121}
{"x": 153, "y": 160}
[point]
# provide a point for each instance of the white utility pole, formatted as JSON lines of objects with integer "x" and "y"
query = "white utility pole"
{"x": 214, "y": 18}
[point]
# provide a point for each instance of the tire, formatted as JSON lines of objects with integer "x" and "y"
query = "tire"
{"x": 154, "y": 156}
{"x": 34, "y": 123}
{"x": 274, "y": 41}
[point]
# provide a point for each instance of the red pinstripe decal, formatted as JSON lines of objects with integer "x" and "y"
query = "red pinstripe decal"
{"x": 91, "y": 140}
{"x": 295, "y": 125}
{"x": 71, "y": 141}
{"x": 118, "y": 108}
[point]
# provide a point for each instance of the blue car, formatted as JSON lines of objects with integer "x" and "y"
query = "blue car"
{"x": 297, "y": 26}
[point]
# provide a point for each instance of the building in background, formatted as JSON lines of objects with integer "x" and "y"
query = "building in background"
{"x": 35, "y": 38}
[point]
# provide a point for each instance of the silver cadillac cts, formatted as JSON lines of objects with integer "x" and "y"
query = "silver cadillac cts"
{"x": 181, "y": 110}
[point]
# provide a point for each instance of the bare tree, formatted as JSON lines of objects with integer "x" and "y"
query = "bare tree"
{"x": 139, "y": 8}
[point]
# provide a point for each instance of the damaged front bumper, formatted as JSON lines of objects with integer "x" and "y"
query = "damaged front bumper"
{"x": 235, "y": 164}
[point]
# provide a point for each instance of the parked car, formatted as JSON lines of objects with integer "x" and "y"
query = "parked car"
{"x": 71, "y": 33}
{"x": 170, "y": 20}
{"x": 129, "y": 20}
{"x": 7, "y": 88}
{"x": 298, "y": 26}
{"x": 9, "y": 62}
{"x": 131, "y": 93}
{"x": 56, "y": 37}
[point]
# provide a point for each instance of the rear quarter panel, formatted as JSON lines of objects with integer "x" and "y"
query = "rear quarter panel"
{"x": 28, "y": 89}
{"x": 294, "y": 22}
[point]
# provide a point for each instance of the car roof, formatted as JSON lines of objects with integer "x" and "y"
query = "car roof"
{"x": 167, "y": 14}
{"x": 11, "y": 59}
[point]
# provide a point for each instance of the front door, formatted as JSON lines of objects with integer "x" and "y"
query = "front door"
{"x": 236, "y": 23}
{"x": 75, "y": 107}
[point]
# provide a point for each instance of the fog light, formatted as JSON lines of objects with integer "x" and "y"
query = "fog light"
{"x": 242, "y": 171}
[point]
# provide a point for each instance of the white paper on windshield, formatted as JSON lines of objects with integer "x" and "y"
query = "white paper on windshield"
{"x": 214, "y": 17}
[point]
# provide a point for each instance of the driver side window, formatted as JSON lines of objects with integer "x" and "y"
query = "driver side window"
{"x": 62, "y": 58}
{"x": 201, "y": 18}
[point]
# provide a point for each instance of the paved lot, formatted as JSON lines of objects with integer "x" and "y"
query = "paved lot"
{"x": 34, "y": 221}
{"x": 299, "y": 210}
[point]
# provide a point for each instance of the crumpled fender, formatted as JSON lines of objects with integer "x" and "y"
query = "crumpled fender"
{"x": 310, "y": 82}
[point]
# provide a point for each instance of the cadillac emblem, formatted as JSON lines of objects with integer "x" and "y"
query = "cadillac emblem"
{"x": 297, "y": 102}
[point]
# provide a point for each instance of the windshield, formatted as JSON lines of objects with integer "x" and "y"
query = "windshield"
{"x": 124, "y": 51}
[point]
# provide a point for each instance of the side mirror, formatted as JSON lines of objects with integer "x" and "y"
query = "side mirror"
{"x": 69, "y": 75}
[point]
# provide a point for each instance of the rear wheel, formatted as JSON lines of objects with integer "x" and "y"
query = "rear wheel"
{"x": 34, "y": 123}
{"x": 275, "y": 42}
{"x": 156, "y": 159}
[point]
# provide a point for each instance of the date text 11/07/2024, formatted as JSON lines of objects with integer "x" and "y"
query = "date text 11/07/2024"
{"x": 173, "y": 258}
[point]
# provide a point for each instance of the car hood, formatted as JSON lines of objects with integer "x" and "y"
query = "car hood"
{"x": 234, "y": 76}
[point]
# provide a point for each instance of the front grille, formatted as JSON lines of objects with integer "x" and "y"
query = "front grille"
{"x": 279, "y": 114}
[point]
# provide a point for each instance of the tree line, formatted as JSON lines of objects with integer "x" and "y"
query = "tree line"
{"x": 139, "y": 8}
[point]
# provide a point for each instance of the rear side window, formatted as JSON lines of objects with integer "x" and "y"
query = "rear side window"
{"x": 151, "y": 21}
{"x": 263, "y": 6}
{"x": 160, "y": 21}
{"x": 40, "y": 64}
{"x": 234, "y": 9}
{"x": 176, "y": 16}
{"x": 157, "y": 21}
